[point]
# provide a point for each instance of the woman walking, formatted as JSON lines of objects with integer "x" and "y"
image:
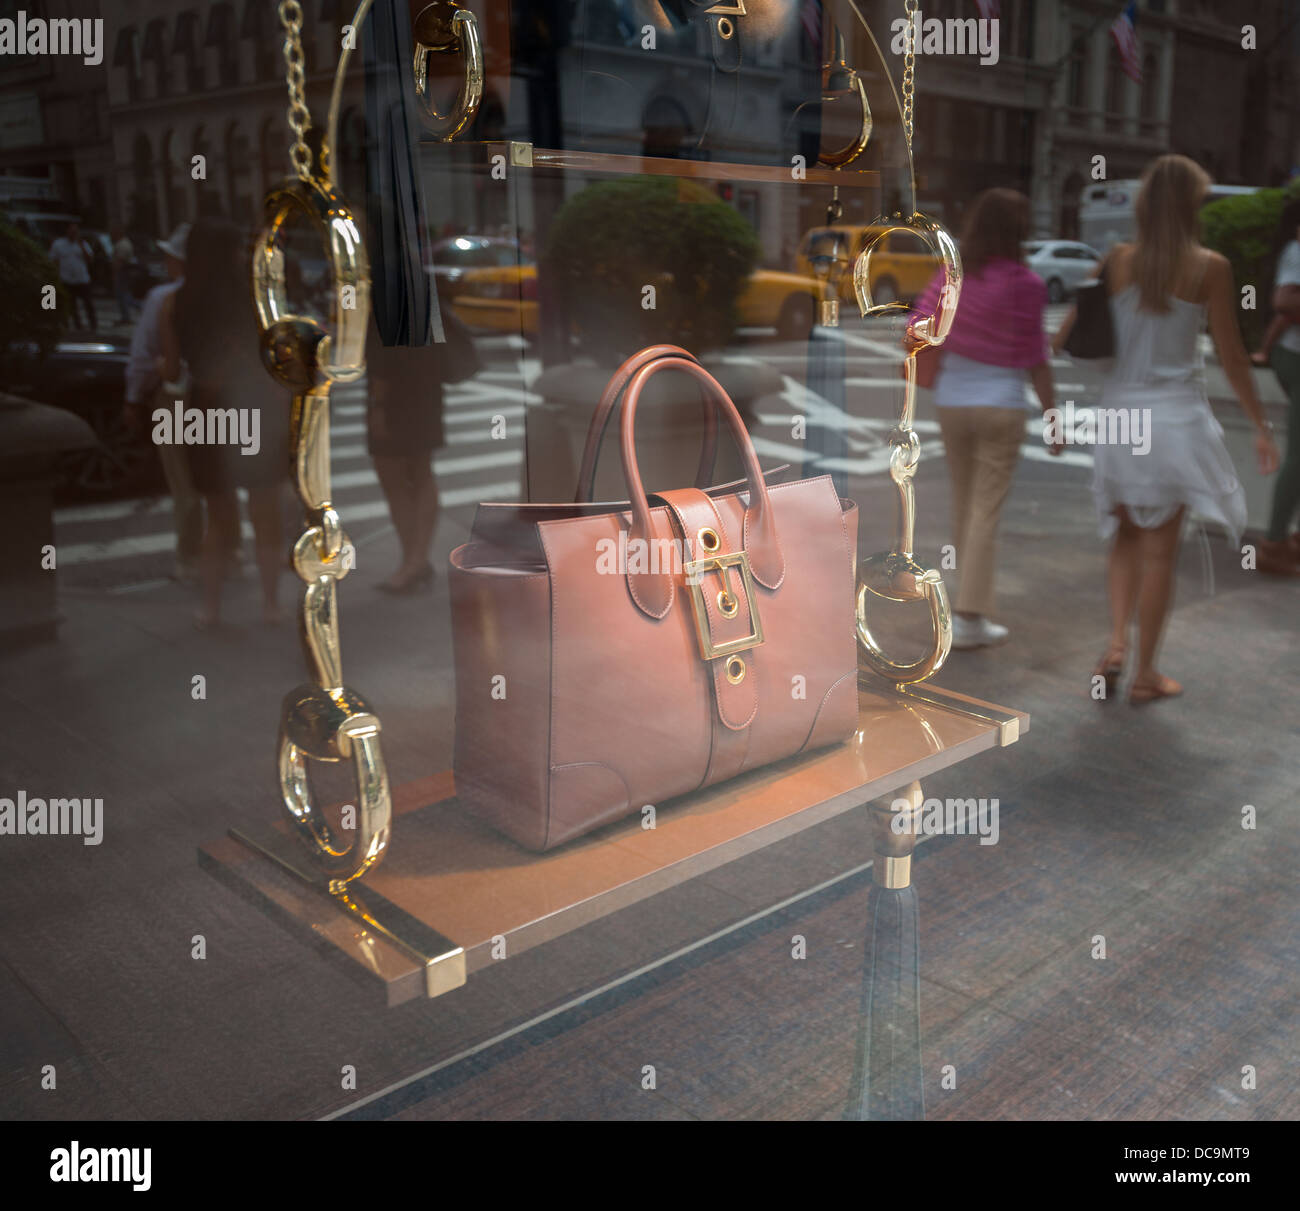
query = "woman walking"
{"x": 995, "y": 350}
{"x": 1161, "y": 290}
{"x": 210, "y": 324}
{"x": 403, "y": 429}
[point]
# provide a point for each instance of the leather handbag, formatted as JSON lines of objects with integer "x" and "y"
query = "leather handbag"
{"x": 610, "y": 657}
{"x": 1093, "y": 333}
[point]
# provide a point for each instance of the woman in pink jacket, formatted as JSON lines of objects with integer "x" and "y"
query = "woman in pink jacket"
{"x": 996, "y": 349}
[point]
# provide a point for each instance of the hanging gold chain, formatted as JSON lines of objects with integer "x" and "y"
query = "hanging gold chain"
{"x": 909, "y": 69}
{"x": 895, "y": 575}
{"x": 299, "y": 115}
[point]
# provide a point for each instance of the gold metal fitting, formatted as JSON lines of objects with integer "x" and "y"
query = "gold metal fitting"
{"x": 695, "y": 571}
{"x": 735, "y": 670}
{"x": 444, "y": 27}
{"x": 708, "y": 540}
{"x": 728, "y": 606}
{"x": 295, "y": 348}
{"x": 895, "y": 575}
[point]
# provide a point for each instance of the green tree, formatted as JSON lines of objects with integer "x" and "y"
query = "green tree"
{"x": 25, "y": 272}
{"x": 1243, "y": 228}
{"x": 616, "y": 238}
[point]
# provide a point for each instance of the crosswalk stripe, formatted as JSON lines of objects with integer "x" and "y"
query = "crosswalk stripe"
{"x": 161, "y": 507}
{"x": 450, "y": 416}
{"x": 350, "y": 451}
{"x": 468, "y": 409}
{"x": 154, "y": 544}
{"x": 443, "y": 468}
{"x": 1037, "y": 452}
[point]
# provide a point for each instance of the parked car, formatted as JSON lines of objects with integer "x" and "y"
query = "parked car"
{"x": 43, "y": 227}
{"x": 88, "y": 378}
{"x": 1063, "y": 264}
{"x": 452, "y": 258}
{"x": 784, "y": 301}
{"x": 901, "y": 266}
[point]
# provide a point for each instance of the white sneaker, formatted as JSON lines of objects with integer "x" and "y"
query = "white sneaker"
{"x": 977, "y": 633}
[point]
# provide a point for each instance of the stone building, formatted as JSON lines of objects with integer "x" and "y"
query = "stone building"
{"x": 206, "y": 79}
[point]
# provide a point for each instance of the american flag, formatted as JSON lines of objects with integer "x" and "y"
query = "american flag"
{"x": 1124, "y": 31}
{"x": 988, "y": 9}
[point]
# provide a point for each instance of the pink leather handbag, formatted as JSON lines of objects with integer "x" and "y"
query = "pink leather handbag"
{"x": 614, "y": 656}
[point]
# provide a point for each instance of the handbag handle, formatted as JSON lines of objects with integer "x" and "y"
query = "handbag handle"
{"x": 610, "y": 399}
{"x": 653, "y": 591}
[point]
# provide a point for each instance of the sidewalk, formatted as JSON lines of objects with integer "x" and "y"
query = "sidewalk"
{"x": 1117, "y": 821}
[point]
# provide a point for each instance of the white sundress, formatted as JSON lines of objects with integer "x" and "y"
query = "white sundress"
{"x": 1158, "y": 372}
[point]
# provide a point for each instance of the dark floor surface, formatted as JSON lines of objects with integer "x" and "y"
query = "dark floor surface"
{"x": 1115, "y": 821}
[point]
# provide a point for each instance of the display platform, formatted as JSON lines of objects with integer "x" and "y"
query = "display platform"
{"x": 525, "y": 155}
{"x": 470, "y": 897}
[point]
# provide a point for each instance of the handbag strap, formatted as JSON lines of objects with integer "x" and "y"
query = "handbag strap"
{"x": 653, "y": 590}
{"x": 612, "y": 397}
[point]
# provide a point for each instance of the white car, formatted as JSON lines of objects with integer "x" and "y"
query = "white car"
{"x": 1063, "y": 264}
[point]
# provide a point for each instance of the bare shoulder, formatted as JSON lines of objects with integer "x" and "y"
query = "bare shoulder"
{"x": 1217, "y": 272}
{"x": 1118, "y": 264}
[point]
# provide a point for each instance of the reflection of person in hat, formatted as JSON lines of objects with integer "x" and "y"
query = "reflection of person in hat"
{"x": 174, "y": 248}
{"x": 145, "y": 391}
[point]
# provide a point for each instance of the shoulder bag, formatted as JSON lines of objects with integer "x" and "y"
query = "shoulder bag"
{"x": 1093, "y": 333}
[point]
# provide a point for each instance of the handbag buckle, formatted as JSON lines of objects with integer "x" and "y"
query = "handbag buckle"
{"x": 695, "y": 571}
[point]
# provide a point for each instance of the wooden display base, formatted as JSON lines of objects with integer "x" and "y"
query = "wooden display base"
{"x": 450, "y": 878}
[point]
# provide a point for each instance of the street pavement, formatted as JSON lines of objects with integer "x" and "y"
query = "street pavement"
{"x": 126, "y": 546}
{"x": 96, "y": 973}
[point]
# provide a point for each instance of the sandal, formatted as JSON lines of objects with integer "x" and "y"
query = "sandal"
{"x": 1165, "y": 687}
{"x": 398, "y": 585}
{"x": 1111, "y": 668}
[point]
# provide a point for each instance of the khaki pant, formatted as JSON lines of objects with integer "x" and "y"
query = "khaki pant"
{"x": 187, "y": 504}
{"x": 982, "y": 447}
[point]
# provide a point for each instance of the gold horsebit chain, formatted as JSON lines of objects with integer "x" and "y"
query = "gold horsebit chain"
{"x": 895, "y": 575}
{"x": 325, "y": 720}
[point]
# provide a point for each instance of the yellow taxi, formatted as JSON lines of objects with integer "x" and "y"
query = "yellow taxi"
{"x": 901, "y": 266}
{"x": 504, "y": 299}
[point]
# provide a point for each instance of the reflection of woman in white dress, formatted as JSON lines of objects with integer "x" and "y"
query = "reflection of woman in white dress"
{"x": 1161, "y": 290}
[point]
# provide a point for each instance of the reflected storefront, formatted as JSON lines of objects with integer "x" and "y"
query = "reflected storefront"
{"x": 594, "y": 343}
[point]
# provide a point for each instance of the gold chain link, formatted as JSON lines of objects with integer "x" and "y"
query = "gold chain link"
{"x": 299, "y": 115}
{"x": 909, "y": 69}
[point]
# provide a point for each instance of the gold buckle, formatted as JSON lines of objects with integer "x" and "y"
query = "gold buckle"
{"x": 720, "y": 563}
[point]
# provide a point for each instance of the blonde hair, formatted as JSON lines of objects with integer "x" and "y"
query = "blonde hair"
{"x": 1168, "y": 226}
